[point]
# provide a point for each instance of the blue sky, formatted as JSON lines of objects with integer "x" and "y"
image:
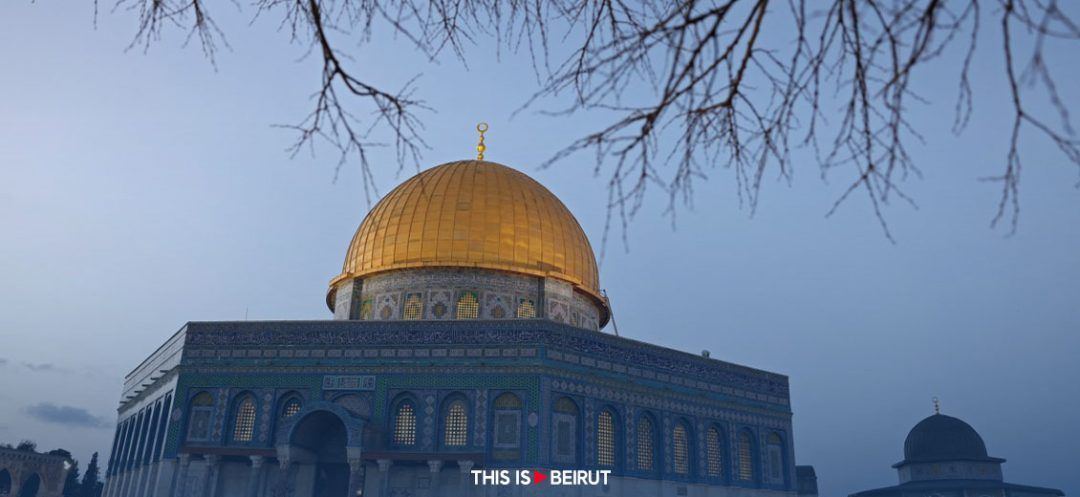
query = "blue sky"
{"x": 140, "y": 191}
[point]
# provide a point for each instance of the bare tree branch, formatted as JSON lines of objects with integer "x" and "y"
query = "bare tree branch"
{"x": 687, "y": 86}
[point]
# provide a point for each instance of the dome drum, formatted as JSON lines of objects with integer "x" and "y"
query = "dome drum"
{"x": 438, "y": 293}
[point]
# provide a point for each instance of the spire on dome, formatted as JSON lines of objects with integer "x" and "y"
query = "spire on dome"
{"x": 482, "y": 128}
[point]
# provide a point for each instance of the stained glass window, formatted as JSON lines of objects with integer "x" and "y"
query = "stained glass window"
{"x": 507, "y": 425}
{"x": 776, "y": 458}
{"x": 507, "y": 421}
{"x": 566, "y": 405}
{"x": 565, "y": 436}
{"x": 405, "y": 425}
{"x": 468, "y": 306}
{"x": 746, "y": 457}
{"x": 414, "y": 307}
{"x": 645, "y": 444}
{"x": 507, "y": 401}
{"x": 202, "y": 405}
{"x": 244, "y": 425}
{"x": 292, "y": 407}
{"x": 713, "y": 453}
{"x": 455, "y": 425}
{"x": 605, "y": 439}
{"x": 526, "y": 309}
{"x": 682, "y": 449}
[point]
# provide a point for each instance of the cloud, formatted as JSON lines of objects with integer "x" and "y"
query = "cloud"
{"x": 45, "y": 367}
{"x": 3, "y": 362}
{"x": 65, "y": 415}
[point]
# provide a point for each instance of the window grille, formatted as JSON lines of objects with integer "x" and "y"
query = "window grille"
{"x": 292, "y": 407}
{"x": 405, "y": 425}
{"x": 468, "y": 307}
{"x": 414, "y": 307}
{"x": 455, "y": 425}
{"x": 645, "y": 445}
{"x": 244, "y": 425}
{"x": 713, "y": 452}
{"x": 746, "y": 459}
{"x": 605, "y": 439}
{"x": 526, "y": 309}
{"x": 682, "y": 450}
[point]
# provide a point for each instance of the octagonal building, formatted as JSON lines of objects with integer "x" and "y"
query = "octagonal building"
{"x": 467, "y": 334}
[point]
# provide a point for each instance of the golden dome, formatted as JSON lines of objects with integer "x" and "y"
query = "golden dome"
{"x": 474, "y": 214}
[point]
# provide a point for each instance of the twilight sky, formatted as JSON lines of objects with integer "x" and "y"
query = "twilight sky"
{"x": 140, "y": 191}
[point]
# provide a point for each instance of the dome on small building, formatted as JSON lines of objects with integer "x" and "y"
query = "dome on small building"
{"x": 944, "y": 438}
{"x": 944, "y": 455}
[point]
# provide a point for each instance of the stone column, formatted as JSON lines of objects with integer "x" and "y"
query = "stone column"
{"x": 125, "y": 477}
{"x": 285, "y": 482}
{"x": 435, "y": 467}
{"x": 254, "y": 474}
{"x": 180, "y": 484}
{"x": 356, "y": 477}
{"x": 108, "y": 486}
{"x": 137, "y": 480}
{"x": 384, "y": 476}
{"x": 213, "y": 464}
{"x": 467, "y": 486}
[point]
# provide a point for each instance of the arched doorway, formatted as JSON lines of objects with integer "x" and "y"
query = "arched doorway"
{"x": 321, "y": 436}
{"x": 5, "y": 482}
{"x": 30, "y": 486}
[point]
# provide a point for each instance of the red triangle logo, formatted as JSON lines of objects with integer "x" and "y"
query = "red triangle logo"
{"x": 538, "y": 477}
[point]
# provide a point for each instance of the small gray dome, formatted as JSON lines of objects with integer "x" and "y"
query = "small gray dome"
{"x": 944, "y": 438}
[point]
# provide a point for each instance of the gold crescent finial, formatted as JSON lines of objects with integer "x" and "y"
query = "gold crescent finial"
{"x": 482, "y": 128}
{"x": 937, "y": 406}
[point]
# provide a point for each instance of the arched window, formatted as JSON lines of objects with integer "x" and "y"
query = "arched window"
{"x": 646, "y": 438}
{"x": 163, "y": 423}
{"x": 202, "y": 407}
{"x": 291, "y": 407}
{"x": 468, "y": 306}
{"x": 455, "y": 424}
{"x": 714, "y": 453}
{"x": 507, "y": 419}
{"x": 5, "y": 482}
{"x": 140, "y": 442}
{"x": 746, "y": 456}
{"x": 526, "y": 309}
{"x": 414, "y": 307}
{"x": 605, "y": 439}
{"x": 151, "y": 435}
{"x": 680, "y": 441}
{"x": 30, "y": 486}
{"x": 405, "y": 424}
{"x": 565, "y": 420}
{"x": 244, "y": 419}
{"x": 774, "y": 451}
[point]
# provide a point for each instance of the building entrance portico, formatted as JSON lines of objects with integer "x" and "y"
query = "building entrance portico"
{"x": 322, "y": 455}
